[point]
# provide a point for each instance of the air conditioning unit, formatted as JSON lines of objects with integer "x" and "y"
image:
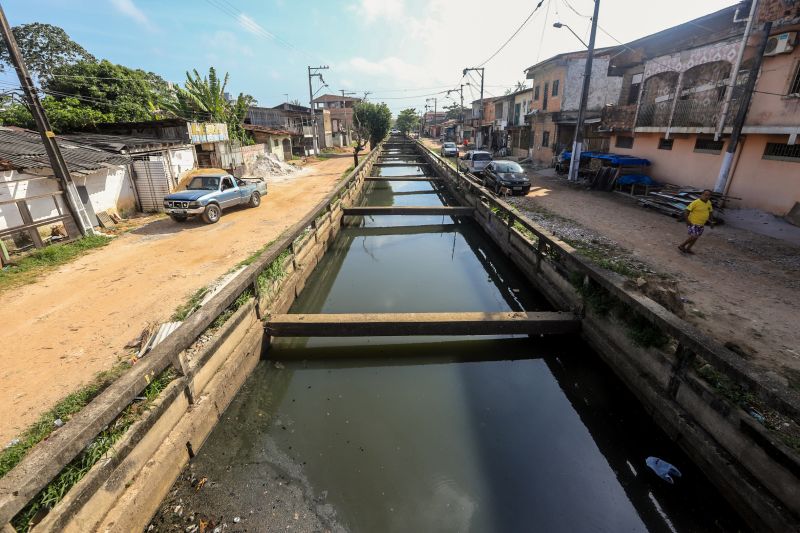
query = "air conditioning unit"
{"x": 781, "y": 44}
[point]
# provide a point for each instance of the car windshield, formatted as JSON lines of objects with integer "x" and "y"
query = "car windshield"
{"x": 507, "y": 166}
{"x": 203, "y": 183}
{"x": 449, "y": 145}
{"x": 482, "y": 156}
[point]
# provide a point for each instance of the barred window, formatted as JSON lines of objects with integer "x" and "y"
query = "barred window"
{"x": 708, "y": 146}
{"x": 545, "y": 139}
{"x": 624, "y": 141}
{"x": 665, "y": 144}
{"x": 794, "y": 86}
{"x": 782, "y": 152}
{"x": 536, "y": 93}
{"x": 555, "y": 88}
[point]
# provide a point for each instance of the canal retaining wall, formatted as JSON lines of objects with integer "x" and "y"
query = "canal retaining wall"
{"x": 693, "y": 387}
{"x": 210, "y": 355}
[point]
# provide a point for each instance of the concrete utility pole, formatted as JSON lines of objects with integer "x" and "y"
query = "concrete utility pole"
{"x": 59, "y": 166}
{"x": 311, "y": 75}
{"x": 461, "y": 92}
{"x": 433, "y": 120}
{"x": 344, "y": 106}
{"x": 741, "y": 113}
{"x": 735, "y": 70}
{"x": 574, "y": 161}
{"x": 480, "y": 109}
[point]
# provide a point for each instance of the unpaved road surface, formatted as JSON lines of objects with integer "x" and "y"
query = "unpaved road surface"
{"x": 74, "y": 322}
{"x": 740, "y": 287}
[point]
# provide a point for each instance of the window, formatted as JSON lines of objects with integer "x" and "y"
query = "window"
{"x": 545, "y": 139}
{"x": 554, "y": 92}
{"x": 624, "y": 142}
{"x": 665, "y": 144}
{"x": 536, "y": 93}
{"x": 782, "y": 152}
{"x": 633, "y": 92}
{"x": 544, "y": 97}
{"x": 708, "y": 146}
{"x": 227, "y": 183}
{"x": 794, "y": 86}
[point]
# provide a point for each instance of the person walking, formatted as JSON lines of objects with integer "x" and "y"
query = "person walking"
{"x": 697, "y": 214}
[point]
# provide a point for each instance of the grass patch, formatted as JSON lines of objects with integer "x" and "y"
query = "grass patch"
{"x": 603, "y": 257}
{"x": 63, "y": 410}
{"x": 347, "y": 172}
{"x": 55, "y": 491}
{"x": 273, "y": 272}
{"x": 186, "y": 309}
{"x": 228, "y": 312}
{"x": 28, "y": 268}
{"x": 252, "y": 258}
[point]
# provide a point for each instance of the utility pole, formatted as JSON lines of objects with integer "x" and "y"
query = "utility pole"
{"x": 575, "y": 160}
{"x": 425, "y": 118}
{"x": 344, "y": 106}
{"x": 741, "y": 113}
{"x": 480, "y": 109}
{"x": 461, "y": 91}
{"x": 311, "y": 75}
{"x": 433, "y": 119}
{"x": 367, "y": 93}
{"x": 59, "y": 166}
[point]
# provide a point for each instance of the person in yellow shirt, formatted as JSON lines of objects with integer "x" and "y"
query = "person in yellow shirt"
{"x": 697, "y": 214}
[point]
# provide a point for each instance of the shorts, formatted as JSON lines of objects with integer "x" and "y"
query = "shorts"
{"x": 695, "y": 230}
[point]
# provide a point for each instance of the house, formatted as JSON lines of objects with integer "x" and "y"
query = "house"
{"x": 295, "y": 119}
{"x": 341, "y": 116}
{"x": 519, "y": 129}
{"x": 277, "y": 141}
{"x": 157, "y": 164}
{"x": 483, "y": 116}
{"x": 672, "y": 105}
{"x": 557, "y": 85}
{"x": 33, "y": 209}
{"x": 432, "y": 122}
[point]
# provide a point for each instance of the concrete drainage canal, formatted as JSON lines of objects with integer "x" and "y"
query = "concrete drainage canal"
{"x": 418, "y": 383}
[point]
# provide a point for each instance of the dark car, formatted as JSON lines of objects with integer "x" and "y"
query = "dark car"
{"x": 506, "y": 174}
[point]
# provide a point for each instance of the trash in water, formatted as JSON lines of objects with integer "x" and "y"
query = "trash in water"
{"x": 236, "y": 519}
{"x": 663, "y": 469}
{"x": 758, "y": 416}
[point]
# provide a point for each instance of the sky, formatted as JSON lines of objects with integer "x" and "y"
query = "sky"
{"x": 401, "y": 51}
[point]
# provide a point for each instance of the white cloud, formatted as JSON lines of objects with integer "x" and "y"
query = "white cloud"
{"x": 129, "y": 9}
{"x": 377, "y": 9}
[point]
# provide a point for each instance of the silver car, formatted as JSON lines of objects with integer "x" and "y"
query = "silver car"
{"x": 474, "y": 161}
{"x": 449, "y": 149}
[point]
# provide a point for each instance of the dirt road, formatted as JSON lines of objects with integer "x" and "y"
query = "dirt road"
{"x": 740, "y": 287}
{"x": 57, "y": 333}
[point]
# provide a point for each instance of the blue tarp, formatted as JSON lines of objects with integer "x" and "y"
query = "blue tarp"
{"x": 639, "y": 179}
{"x": 615, "y": 160}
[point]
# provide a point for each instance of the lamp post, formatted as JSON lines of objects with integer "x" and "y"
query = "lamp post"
{"x": 574, "y": 161}
{"x": 560, "y": 25}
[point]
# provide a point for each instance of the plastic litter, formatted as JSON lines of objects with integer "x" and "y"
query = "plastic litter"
{"x": 12, "y": 442}
{"x": 663, "y": 469}
{"x": 58, "y": 422}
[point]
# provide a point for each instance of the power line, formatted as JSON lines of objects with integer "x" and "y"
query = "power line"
{"x": 524, "y": 22}
{"x": 541, "y": 38}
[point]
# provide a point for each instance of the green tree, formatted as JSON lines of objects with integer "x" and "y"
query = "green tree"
{"x": 203, "y": 98}
{"x": 65, "y": 114}
{"x": 371, "y": 124}
{"x": 456, "y": 111}
{"x": 407, "y": 120}
{"x": 44, "y": 47}
{"x": 129, "y": 95}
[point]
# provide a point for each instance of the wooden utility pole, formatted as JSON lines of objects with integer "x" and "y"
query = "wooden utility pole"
{"x": 59, "y": 166}
{"x": 575, "y": 160}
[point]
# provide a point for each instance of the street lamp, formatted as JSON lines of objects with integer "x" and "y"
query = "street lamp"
{"x": 560, "y": 25}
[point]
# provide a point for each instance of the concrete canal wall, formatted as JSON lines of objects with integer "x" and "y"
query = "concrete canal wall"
{"x": 753, "y": 469}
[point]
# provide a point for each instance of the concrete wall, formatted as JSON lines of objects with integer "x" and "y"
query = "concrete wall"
{"x": 775, "y": 77}
{"x": 603, "y": 89}
{"x": 681, "y": 165}
{"x": 548, "y": 76}
{"x": 767, "y": 184}
{"x": 110, "y": 188}
{"x": 17, "y": 186}
{"x": 181, "y": 160}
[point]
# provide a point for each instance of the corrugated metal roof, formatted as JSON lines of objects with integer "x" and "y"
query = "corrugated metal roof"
{"x": 121, "y": 143}
{"x": 23, "y": 149}
{"x": 266, "y": 129}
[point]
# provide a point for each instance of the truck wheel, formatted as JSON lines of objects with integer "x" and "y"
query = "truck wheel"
{"x": 255, "y": 200}
{"x": 211, "y": 214}
{"x": 178, "y": 218}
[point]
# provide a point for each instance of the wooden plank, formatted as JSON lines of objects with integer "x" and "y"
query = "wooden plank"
{"x": 414, "y": 210}
{"x": 402, "y": 178}
{"x": 392, "y": 324}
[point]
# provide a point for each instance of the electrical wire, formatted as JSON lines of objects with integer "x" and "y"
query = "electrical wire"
{"x": 524, "y": 22}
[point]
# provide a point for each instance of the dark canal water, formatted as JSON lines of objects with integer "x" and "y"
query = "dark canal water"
{"x": 479, "y": 434}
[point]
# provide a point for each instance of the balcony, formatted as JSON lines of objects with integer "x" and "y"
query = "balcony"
{"x": 618, "y": 117}
{"x": 654, "y": 115}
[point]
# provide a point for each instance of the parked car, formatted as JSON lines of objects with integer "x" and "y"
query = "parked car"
{"x": 506, "y": 174}
{"x": 208, "y": 194}
{"x": 449, "y": 149}
{"x": 474, "y": 161}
